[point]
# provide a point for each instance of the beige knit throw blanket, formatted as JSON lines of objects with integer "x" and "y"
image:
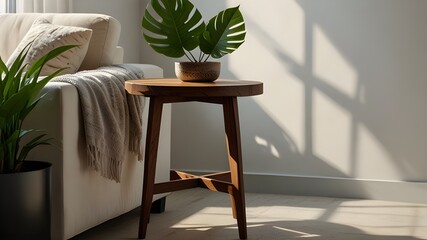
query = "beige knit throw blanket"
{"x": 112, "y": 118}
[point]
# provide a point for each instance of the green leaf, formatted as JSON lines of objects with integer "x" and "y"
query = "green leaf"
{"x": 13, "y": 75}
{"x": 3, "y": 67}
{"x": 23, "y": 114}
{"x": 19, "y": 94}
{"x": 36, "y": 141}
{"x": 37, "y": 86}
{"x": 35, "y": 68}
{"x": 178, "y": 28}
{"x": 10, "y": 148}
{"x": 18, "y": 63}
{"x": 224, "y": 33}
{"x": 16, "y": 103}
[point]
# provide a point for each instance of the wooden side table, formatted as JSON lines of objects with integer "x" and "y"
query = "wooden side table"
{"x": 223, "y": 92}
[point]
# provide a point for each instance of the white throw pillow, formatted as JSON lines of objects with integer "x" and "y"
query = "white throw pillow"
{"x": 45, "y": 37}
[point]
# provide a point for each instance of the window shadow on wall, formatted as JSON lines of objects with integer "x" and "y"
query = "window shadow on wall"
{"x": 384, "y": 107}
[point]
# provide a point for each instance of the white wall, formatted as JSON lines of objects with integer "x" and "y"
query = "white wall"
{"x": 345, "y": 93}
{"x": 343, "y": 110}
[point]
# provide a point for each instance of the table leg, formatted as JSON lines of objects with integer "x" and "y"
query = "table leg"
{"x": 237, "y": 193}
{"x": 151, "y": 147}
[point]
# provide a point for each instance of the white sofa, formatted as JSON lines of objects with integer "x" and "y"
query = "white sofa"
{"x": 81, "y": 198}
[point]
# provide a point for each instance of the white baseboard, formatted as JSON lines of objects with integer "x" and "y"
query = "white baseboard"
{"x": 414, "y": 192}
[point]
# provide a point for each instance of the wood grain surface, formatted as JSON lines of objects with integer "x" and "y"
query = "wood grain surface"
{"x": 178, "y": 88}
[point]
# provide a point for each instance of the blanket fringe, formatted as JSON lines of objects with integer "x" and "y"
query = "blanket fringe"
{"x": 109, "y": 169}
{"x": 135, "y": 145}
{"x": 111, "y": 117}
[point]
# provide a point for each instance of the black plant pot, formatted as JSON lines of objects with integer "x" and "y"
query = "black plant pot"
{"x": 25, "y": 202}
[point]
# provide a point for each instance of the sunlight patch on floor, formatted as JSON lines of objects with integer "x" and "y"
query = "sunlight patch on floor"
{"x": 303, "y": 234}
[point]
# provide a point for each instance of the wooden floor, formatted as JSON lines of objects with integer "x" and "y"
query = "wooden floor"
{"x": 203, "y": 215}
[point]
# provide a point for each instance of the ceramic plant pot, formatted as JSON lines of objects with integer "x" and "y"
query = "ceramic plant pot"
{"x": 25, "y": 202}
{"x": 197, "y": 71}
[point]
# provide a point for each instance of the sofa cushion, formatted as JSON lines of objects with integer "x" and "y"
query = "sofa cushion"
{"x": 44, "y": 37}
{"x": 102, "y": 46}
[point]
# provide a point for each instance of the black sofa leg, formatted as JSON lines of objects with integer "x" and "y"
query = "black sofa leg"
{"x": 159, "y": 205}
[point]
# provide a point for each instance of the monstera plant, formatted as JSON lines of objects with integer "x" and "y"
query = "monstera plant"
{"x": 175, "y": 28}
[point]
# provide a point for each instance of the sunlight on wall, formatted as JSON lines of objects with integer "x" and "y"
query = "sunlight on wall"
{"x": 343, "y": 84}
{"x": 333, "y": 139}
{"x": 331, "y": 132}
{"x": 293, "y": 25}
{"x": 268, "y": 146}
{"x": 269, "y": 56}
{"x": 288, "y": 28}
{"x": 287, "y": 38}
{"x": 368, "y": 148}
{"x": 332, "y": 123}
{"x": 331, "y": 66}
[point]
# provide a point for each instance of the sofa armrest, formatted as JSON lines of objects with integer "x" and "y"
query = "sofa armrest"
{"x": 118, "y": 55}
{"x": 149, "y": 70}
{"x": 81, "y": 198}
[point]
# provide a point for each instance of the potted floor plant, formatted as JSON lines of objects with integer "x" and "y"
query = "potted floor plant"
{"x": 175, "y": 28}
{"x": 24, "y": 185}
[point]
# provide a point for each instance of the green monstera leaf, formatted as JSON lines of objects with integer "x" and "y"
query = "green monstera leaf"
{"x": 178, "y": 28}
{"x": 224, "y": 33}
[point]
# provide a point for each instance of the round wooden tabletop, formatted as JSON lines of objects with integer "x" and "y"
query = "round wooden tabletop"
{"x": 178, "y": 88}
